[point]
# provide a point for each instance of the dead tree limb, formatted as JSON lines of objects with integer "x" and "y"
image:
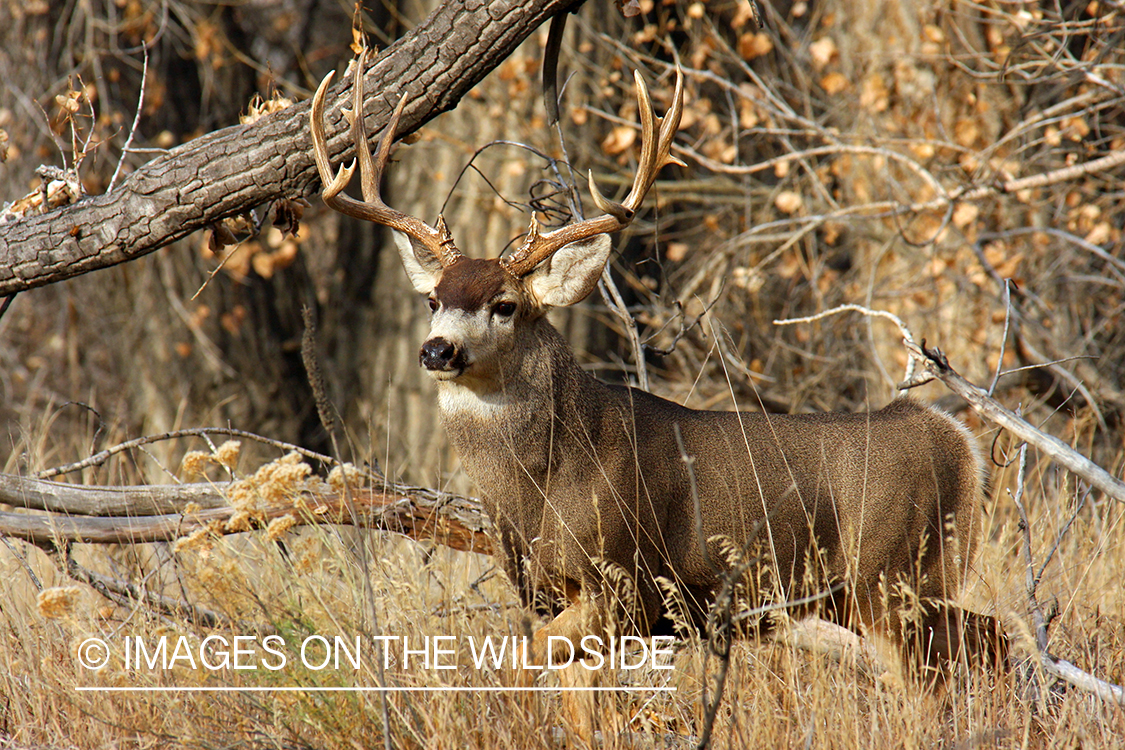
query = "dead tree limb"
{"x": 1052, "y": 665}
{"x": 82, "y": 500}
{"x": 232, "y": 171}
{"x": 936, "y": 365}
{"x": 417, "y": 512}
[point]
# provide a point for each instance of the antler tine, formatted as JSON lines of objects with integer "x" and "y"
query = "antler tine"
{"x": 655, "y": 153}
{"x": 333, "y": 183}
{"x": 656, "y": 145}
{"x": 438, "y": 241}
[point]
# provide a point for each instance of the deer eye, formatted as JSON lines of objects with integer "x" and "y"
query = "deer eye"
{"x": 433, "y": 304}
{"x": 504, "y": 309}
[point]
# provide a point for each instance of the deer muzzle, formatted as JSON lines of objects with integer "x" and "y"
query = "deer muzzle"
{"x": 442, "y": 357}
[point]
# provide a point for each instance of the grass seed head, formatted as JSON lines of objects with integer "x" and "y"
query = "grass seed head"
{"x": 58, "y": 602}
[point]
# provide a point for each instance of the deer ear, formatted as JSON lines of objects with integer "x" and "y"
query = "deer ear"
{"x": 421, "y": 266}
{"x": 571, "y": 273}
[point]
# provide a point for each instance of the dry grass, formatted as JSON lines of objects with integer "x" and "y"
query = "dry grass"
{"x": 311, "y": 583}
{"x": 902, "y": 104}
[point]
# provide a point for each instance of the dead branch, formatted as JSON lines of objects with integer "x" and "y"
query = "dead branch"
{"x": 937, "y": 366}
{"x": 417, "y": 512}
{"x": 1054, "y": 666}
{"x": 125, "y": 592}
{"x": 107, "y": 501}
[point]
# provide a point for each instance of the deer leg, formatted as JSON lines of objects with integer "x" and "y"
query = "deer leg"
{"x": 558, "y": 645}
{"x": 946, "y": 635}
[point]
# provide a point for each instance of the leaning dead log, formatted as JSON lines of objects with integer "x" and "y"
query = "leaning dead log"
{"x": 235, "y": 170}
{"x": 50, "y": 513}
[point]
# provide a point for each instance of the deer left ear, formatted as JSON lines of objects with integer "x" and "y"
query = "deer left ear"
{"x": 571, "y": 273}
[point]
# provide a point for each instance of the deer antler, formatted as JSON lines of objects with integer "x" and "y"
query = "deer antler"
{"x": 655, "y": 147}
{"x": 372, "y": 208}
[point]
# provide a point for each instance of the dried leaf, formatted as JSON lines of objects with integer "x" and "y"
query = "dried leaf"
{"x": 70, "y": 102}
{"x": 287, "y": 214}
{"x": 263, "y": 266}
{"x": 823, "y": 51}
{"x": 619, "y": 140}
{"x": 1076, "y": 128}
{"x": 834, "y": 83}
{"x": 630, "y": 8}
{"x": 874, "y": 95}
{"x": 752, "y": 45}
{"x": 259, "y": 107}
{"x": 221, "y": 236}
{"x": 1010, "y": 266}
{"x": 359, "y": 38}
{"x": 788, "y": 201}
{"x": 966, "y": 131}
{"x": 676, "y": 251}
{"x": 1100, "y": 234}
{"x": 965, "y": 214}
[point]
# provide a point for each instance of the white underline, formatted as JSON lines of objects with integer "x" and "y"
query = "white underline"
{"x": 439, "y": 689}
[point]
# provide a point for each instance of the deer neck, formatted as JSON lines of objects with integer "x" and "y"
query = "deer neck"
{"x": 514, "y": 422}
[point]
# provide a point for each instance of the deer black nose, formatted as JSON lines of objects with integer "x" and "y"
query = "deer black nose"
{"x": 438, "y": 354}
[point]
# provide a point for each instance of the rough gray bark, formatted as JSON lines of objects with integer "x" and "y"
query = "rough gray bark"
{"x": 234, "y": 170}
{"x": 77, "y": 499}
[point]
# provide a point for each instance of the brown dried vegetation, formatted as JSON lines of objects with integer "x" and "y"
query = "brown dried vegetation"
{"x": 872, "y": 153}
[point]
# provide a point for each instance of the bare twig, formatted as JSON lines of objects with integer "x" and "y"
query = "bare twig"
{"x": 908, "y": 338}
{"x": 1004, "y": 338}
{"x": 136, "y": 123}
{"x": 102, "y": 456}
{"x": 124, "y": 591}
{"x": 1053, "y": 665}
{"x": 1031, "y": 581}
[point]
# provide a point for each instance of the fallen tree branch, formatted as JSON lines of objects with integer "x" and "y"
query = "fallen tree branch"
{"x": 107, "y": 501}
{"x": 417, "y": 512}
{"x": 1082, "y": 680}
{"x": 1054, "y": 666}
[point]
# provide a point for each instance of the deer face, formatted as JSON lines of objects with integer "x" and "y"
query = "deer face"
{"x": 483, "y": 313}
{"x": 486, "y": 312}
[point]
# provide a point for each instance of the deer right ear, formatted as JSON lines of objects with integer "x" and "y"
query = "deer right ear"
{"x": 421, "y": 266}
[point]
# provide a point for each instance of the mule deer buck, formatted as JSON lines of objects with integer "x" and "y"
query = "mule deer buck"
{"x": 879, "y": 510}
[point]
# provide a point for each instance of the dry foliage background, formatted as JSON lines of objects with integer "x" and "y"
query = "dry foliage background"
{"x": 825, "y": 158}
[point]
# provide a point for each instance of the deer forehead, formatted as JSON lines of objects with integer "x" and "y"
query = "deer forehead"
{"x": 470, "y": 284}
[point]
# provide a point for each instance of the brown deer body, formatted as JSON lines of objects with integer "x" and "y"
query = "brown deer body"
{"x": 586, "y": 481}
